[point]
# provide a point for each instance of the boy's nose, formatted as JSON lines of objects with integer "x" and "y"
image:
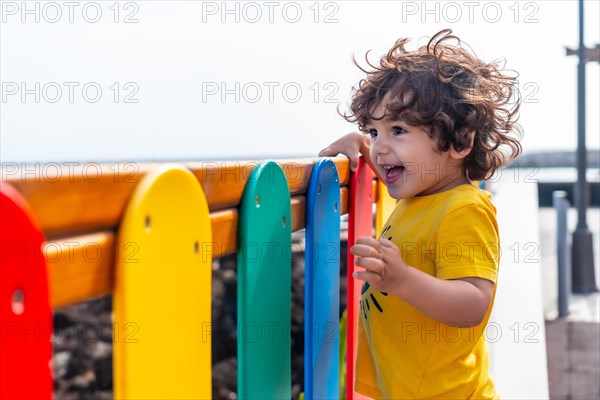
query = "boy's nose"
{"x": 381, "y": 145}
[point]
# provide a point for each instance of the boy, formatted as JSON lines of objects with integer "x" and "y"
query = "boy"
{"x": 435, "y": 119}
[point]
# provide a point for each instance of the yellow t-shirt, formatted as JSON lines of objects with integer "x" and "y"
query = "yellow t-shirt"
{"x": 404, "y": 354}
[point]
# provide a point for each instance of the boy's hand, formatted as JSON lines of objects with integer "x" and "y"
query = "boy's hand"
{"x": 384, "y": 266}
{"x": 350, "y": 145}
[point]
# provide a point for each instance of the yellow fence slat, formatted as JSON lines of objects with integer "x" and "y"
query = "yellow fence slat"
{"x": 162, "y": 296}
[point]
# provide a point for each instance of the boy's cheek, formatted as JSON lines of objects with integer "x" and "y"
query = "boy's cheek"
{"x": 372, "y": 153}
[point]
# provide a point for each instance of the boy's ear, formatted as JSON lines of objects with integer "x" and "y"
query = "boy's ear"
{"x": 459, "y": 155}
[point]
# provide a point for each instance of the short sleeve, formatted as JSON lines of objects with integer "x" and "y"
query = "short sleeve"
{"x": 467, "y": 244}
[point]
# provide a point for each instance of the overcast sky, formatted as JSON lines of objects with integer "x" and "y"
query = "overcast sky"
{"x": 157, "y": 80}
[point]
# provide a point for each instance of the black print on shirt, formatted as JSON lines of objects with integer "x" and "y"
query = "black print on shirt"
{"x": 365, "y": 305}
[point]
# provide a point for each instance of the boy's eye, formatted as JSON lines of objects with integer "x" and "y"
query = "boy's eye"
{"x": 398, "y": 130}
{"x": 372, "y": 133}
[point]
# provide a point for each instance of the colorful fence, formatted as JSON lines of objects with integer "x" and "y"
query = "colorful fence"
{"x": 148, "y": 234}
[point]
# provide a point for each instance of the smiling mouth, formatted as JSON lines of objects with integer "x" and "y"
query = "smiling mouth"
{"x": 393, "y": 172}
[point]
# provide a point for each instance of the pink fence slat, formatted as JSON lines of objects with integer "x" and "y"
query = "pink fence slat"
{"x": 360, "y": 223}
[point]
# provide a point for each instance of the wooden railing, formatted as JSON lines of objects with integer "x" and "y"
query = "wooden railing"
{"x": 78, "y": 207}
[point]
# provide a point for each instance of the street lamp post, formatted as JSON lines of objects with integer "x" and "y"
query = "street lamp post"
{"x": 582, "y": 253}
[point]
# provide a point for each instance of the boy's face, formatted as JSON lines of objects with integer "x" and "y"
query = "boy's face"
{"x": 407, "y": 159}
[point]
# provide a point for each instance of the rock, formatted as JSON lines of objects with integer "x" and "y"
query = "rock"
{"x": 103, "y": 368}
{"x": 224, "y": 380}
{"x": 83, "y": 381}
{"x": 79, "y": 364}
{"x": 62, "y": 320}
{"x": 60, "y": 363}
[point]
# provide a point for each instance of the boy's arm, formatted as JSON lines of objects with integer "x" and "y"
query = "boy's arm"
{"x": 460, "y": 302}
{"x": 351, "y": 145}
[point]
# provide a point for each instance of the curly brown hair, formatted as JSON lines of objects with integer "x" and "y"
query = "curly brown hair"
{"x": 445, "y": 87}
